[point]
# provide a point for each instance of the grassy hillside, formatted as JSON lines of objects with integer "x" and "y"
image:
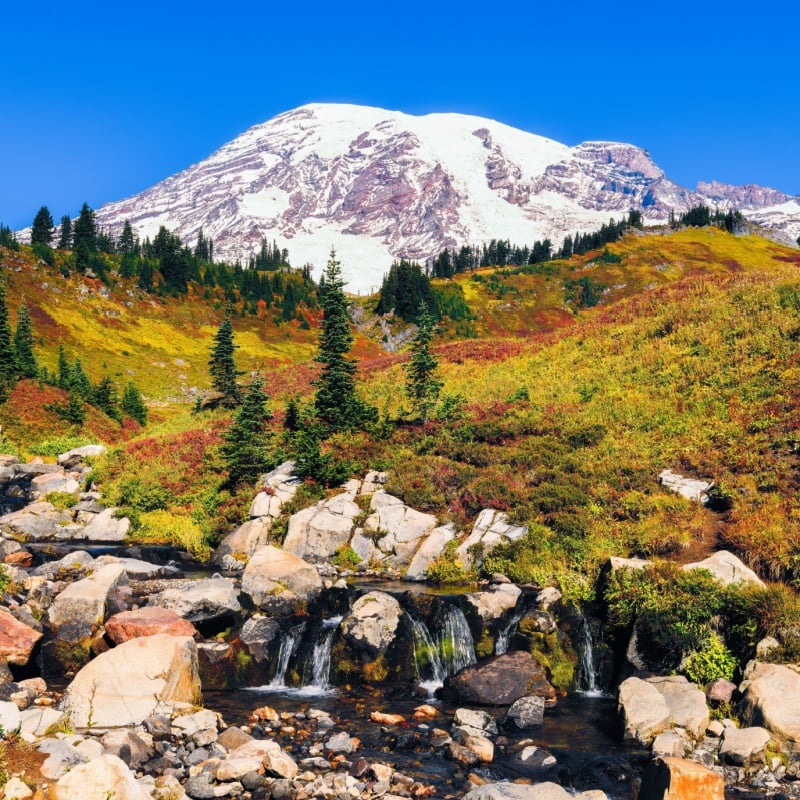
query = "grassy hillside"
{"x": 563, "y": 415}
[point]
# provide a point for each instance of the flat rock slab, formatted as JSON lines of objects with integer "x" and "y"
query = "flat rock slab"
{"x": 147, "y": 621}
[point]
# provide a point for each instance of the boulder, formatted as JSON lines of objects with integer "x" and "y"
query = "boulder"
{"x": 492, "y": 605}
{"x": 771, "y": 698}
{"x": 138, "y": 678}
{"x": 37, "y": 721}
{"x": 432, "y": 546}
{"x": 741, "y": 745}
{"x": 526, "y": 713}
{"x": 105, "y": 527}
{"x": 103, "y": 777}
{"x": 473, "y": 721}
{"x": 79, "y": 454}
{"x": 237, "y": 547}
{"x": 727, "y": 569}
{"x": 679, "y": 779}
{"x": 138, "y": 570}
{"x": 201, "y": 600}
{"x": 147, "y": 621}
{"x": 499, "y": 681}
{"x": 686, "y": 703}
{"x": 10, "y": 718}
{"x": 83, "y": 603}
{"x": 278, "y": 581}
{"x": 39, "y": 521}
{"x": 689, "y": 488}
{"x": 317, "y": 532}
{"x": 73, "y": 565}
{"x": 42, "y": 485}
{"x": 17, "y": 640}
{"x": 720, "y": 691}
{"x": 127, "y": 745}
{"x": 490, "y": 529}
{"x": 644, "y": 710}
{"x": 520, "y": 791}
{"x": 670, "y": 743}
{"x": 257, "y": 635}
{"x": 372, "y": 622}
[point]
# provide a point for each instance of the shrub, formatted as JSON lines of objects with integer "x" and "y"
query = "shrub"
{"x": 61, "y": 444}
{"x": 446, "y": 568}
{"x": 711, "y": 662}
{"x": 346, "y": 557}
{"x": 178, "y": 530}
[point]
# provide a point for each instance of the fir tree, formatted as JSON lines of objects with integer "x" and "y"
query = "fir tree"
{"x": 65, "y": 236}
{"x": 133, "y": 405}
{"x": 246, "y": 448}
{"x": 64, "y": 369}
{"x": 84, "y": 237}
{"x": 104, "y": 396}
{"x": 79, "y": 381}
{"x": 42, "y": 229}
{"x": 127, "y": 244}
{"x": 74, "y": 412}
{"x": 23, "y": 345}
{"x": 7, "y": 355}
{"x": 422, "y": 387}
{"x": 221, "y": 364}
{"x": 335, "y": 402}
{"x": 291, "y": 417}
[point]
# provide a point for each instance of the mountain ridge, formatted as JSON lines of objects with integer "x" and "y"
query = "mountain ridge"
{"x": 379, "y": 184}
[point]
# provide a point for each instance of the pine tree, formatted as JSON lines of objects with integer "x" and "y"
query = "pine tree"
{"x": 335, "y": 402}
{"x": 133, "y": 405}
{"x": 7, "y": 355}
{"x": 84, "y": 237}
{"x": 79, "y": 381}
{"x": 74, "y": 412}
{"x": 65, "y": 236}
{"x": 127, "y": 244}
{"x": 246, "y": 448}
{"x": 23, "y": 345}
{"x": 42, "y": 230}
{"x": 422, "y": 387}
{"x": 221, "y": 364}
{"x": 64, "y": 369}
{"x": 104, "y": 396}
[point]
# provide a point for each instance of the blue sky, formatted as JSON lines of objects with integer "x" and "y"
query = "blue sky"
{"x": 103, "y": 99}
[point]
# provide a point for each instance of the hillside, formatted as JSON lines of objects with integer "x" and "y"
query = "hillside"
{"x": 561, "y": 415}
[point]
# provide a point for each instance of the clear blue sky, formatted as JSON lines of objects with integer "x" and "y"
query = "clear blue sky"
{"x": 103, "y": 99}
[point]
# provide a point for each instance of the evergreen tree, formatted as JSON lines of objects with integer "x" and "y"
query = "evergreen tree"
{"x": 7, "y": 355}
{"x": 133, "y": 405}
{"x": 74, "y": 412}
{"x": 335, "y": 402}
{"x": 84, "y": 238}
{"x": 79, "y": 381}
{"x": 64, "y": 369}
{"x": 422, "y": 387}
{"x": 23, "y": 345}
{"x": 42, "y": 230}
{"x": 127, "y": 244}
{"x": 291, "y": 417}
{"x": 221, "y": 365}
{"x": 246, "y": 448}
{"x": 65, "y": 236}
{"x": 104, "y": 396}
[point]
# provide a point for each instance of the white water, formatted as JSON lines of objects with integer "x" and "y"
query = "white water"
{"x": 287, "y": 648}
{"x": 588, "y": 679}
{"x": 454, "y": 642}
{"x": 428, "y": 662}
{"x": 319, "y": 665}
{"x": 504, "y": 637}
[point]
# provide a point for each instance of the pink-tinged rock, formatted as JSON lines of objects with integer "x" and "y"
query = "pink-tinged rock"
{"x": 20, "y": 558}
{"x": 147, "y": 621}
{"x": 17, "y": 640}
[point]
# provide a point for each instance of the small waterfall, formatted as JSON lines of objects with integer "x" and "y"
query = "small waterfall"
{"x": 430, "y": 669}
{"x": 504, "y": 636}
{"x": 587, "y": 678}
{"x": 317, "y": 669}
{"x": 287, "y": 648}
{"x": 454, "y": 642}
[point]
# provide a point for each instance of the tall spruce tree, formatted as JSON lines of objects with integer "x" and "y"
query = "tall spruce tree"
{"x": 23, "y": 345}
{"x": 84, "y": 237}
{"x": 42, "y": 230}
{"x": 246, "y": 447}
{"x": 7, "y": 355}
{"x": 422, "y": 387}
{"x": 222, "y": 366}
{"x": 65, "y": 234}
{"x": 335, "y": 402}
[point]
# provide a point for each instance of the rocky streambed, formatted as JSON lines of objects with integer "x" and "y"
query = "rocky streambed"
{"x": 125, "y": 676}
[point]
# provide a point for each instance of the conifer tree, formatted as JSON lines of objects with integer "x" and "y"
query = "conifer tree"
{"x": 79, "y": 381}
{"x": 127, "y": 244}
{"x": 7, "y": 355}
{"x": 422, "y": 387}
{"x": 64, "y": 369}
{"x": 335, "y": 402}
{"x": 42, "y": 230}
{"x": 74, "y": 412}
{"x": 104, "y": 396}
{"x": 84, "y": 237}
{"x": 222, "y": 365}
{"x": 65, "y": 235}
{"x": 23, "y": 345}
{"x": 132, "y": 403}
{"x": 245, "y": 451}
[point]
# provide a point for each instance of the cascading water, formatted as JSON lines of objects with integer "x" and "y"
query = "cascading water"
{"x": 287, "y": 648}
{"x": 317, "y": 669}
{"x": 430, "y": 669}
{"x": 587, "y": 676}
{"x": 504, "y": 637}
{"x": 454, "y": 642}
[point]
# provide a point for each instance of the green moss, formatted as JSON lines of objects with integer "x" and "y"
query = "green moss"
{"x": 484, "y": 647}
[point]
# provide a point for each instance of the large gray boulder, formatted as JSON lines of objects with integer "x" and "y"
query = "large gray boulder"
{"x": 431, "y": 547}
{"x": 372, "y": 622}
{"x": 134, "y": 680}
{"x": 644, "y": 710}
{"x": 103, "y": 777}
{"x": 39, "y": 521}
{"x": 61, "y": 481}
{"x": 237, "y": 547}
{"x": 317, "y": 532}
{"x": 727, "y": 569}
{"x": 201, "y": 600}
{"x": 686, "y": 703}
{"x": 79, "y": 454}
{"x": 771, "y": 698}
{"x": 279, "y": 582}
{"x": 741, "y": 745}
{"x": 690, "y": 488}
{"x": 84, "y": 604}
{"x": 105, "y": 527}
{"x": 537, "y": 791}
{"x": 490, "y": 529}
{"x": 496, "y": 602}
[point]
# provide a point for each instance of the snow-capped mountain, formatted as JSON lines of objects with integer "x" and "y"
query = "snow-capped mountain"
{"x": 379, "y": 184}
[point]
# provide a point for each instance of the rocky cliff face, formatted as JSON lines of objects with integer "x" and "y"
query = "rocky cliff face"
{"x": 380, "y": 184}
